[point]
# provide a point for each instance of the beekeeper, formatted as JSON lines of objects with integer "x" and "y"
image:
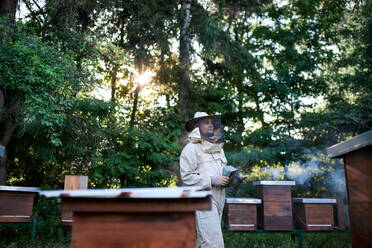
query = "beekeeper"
{"x": 201, "y": 163}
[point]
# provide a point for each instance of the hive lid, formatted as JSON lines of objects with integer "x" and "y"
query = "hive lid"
{"x": 358, "y": 142}
{"x": 149, "y": 193}
{"x": 243, "y": 201}
{"x": 284, "y": 183}
{"x": 18, "y": 188}
{"x": 314, "y": 200}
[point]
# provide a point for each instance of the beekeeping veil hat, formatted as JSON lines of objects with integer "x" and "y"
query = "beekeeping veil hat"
{"x": 213, "y": 130}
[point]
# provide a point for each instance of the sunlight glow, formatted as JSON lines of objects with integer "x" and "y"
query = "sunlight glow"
{"x": 144, "y": 78}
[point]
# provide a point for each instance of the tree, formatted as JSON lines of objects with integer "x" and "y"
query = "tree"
{"x": 7, "y": 18}
{"x": 184, "y": 84}
{"x": 38, "y": 84}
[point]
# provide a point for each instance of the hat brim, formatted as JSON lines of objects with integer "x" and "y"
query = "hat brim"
{"x": 189, "y": 126}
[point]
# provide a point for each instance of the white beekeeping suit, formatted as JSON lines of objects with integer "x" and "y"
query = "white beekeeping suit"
{"x": 201, "y": 164}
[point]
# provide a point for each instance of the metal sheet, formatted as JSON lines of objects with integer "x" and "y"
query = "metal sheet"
{"x": 243, "y": 201}
{"x": 275, "y": 183}
{"x": 180, "y": 192}
{"x": 314, "y": 200}
{"x": 241, "y": 225}
{"x": 17, "y": 188}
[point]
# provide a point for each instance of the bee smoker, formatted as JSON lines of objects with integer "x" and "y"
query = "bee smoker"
{"x": 235, "y": 178}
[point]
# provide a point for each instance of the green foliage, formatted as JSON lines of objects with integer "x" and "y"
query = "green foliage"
{"x": 144, "y": 160}
{"x": 254, "y": 62}
{"x": 40, "y": 79}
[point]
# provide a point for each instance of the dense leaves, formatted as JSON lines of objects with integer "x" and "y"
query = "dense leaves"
{"x": 41, "y": 79}
{"x": 287, "y": 77}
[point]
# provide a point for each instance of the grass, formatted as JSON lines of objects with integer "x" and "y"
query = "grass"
{"x": 47, "y": 237}
{"x": 281, "y": 240}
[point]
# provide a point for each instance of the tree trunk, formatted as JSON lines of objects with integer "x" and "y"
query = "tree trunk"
{"x": 3, "y": 168}
{"x": 7, "y": 7}
{"x": 240, "y": 128}
{"x": 2, "y": 101}
{"x": 9, "y": 128}
{"x": 134, "y": 110}
{"x": 184, "y": 80}
{"x": 114, "y": 74}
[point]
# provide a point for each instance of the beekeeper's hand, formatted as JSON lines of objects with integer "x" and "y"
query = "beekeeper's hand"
{"x": 220, "y": 180}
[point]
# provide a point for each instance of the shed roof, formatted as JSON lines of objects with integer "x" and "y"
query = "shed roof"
{"x": 356, "y": 143}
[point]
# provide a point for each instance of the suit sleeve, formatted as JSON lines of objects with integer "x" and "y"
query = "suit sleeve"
{"x": 189, "y": 171}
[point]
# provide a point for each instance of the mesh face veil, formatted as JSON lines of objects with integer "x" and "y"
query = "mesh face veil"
{"x": 211, "y": 129}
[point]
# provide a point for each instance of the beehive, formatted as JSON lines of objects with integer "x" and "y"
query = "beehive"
{"x": 313, "y": 214}
{"x": 16, "y": 203}
{"x": 241, "y": 214}
{"x": 275, "y": 213}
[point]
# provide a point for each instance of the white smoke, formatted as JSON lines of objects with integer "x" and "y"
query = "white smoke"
{"x": 317, "y": 164}
{"x": 275, "y": 173}
{"x": 336, "y": 180}
{"x": 303, "y": 172}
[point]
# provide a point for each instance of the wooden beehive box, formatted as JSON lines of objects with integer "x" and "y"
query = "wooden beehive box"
{"x": 16, "y": 203}
{"x": 241, "y": 214}
{"x": 133, "y": 218}
{"x": 275, "y": 213}
{"x": 72, "y": 182}
{"x": 313, "y": 214}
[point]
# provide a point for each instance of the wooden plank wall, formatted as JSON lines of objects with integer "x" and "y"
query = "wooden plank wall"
{"x": 140, "y": 230}
{"x": 72, "y": 182}
{"x": 358, "y": 170}
{"x": 313, "y": 217}
{"x": 275, "y": 212}
{"x": 16, "y": 206}
{"x": 240, "y": 217}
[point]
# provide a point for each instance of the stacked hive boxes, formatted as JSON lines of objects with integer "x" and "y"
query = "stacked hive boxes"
{"x": 275, "y": 214}
{"x": 275, "y": 210}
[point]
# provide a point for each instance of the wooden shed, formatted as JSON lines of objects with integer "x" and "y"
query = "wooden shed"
{"x": 357, "y": 157}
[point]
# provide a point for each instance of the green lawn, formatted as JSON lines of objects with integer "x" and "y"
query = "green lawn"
{"x": 49, "y": 237}
{"x": 278, "y": 240}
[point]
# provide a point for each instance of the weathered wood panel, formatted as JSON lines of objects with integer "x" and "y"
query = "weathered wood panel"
{"x": 358, "y": 170}
{"x": 150, "y": 217}
{"x": 339, "y": 214}
{"x": 72, "y": 182}
{"x": 139, "y": 230}
{"x": 274, "y": 193}
{"x": 275, "y": 213}
{"x": 317, "y": 217}
{"x": 241, "y": 217}
{"x": 135, "y": 205}
{"x": 299, "y": 216}
{"x": 16, "y": 206}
